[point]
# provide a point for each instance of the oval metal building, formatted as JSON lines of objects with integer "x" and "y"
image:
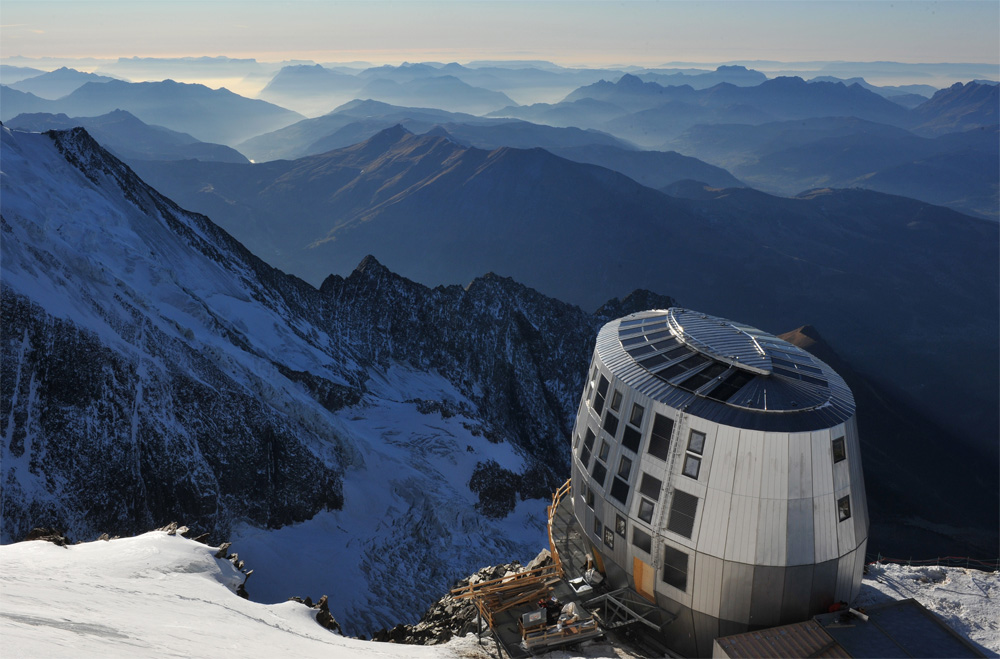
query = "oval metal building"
{"x": 717, "y": 473}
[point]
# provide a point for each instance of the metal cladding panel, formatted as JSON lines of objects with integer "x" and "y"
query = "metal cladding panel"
{"x": 715, "y": 517}
{"x": 741, "y": 536}
{"x": 845, "y": 530}
{"x": 795, "y": 595}
{"x": 845, "y": 577}
{"x": 825, "y": 528}
{"x": 801, "y": 541}
{"x": 822, "y": 463}
{"x": 841, "y": 475}
{"x": 737, "y": 584}
{"x": 859, "y": 570}
{"x": 824, "y": 587}
{"x": 749, "y": 464}
{"x": 859, "y": 499}
{"x": 765, "y": 603}
{"x": 727, "y": 445}
{"x": 800, "y": 466}
{"x": 706, "y": 594}
{"x": 706, "y": 629}
{"x": 774, "y": 482}
{"x": 772, "y": 532}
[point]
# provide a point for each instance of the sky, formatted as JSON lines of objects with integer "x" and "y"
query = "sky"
{"x": 641, "y": 32}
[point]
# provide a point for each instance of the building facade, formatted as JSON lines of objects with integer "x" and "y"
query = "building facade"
{"x": 717, "y": 472}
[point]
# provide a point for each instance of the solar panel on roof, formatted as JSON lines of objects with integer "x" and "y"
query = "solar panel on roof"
{"x": 703, "y": 377}
{"x": 633, "y": 341}
{"x": 630, "y": 323}
{"x": 653, "y": 361}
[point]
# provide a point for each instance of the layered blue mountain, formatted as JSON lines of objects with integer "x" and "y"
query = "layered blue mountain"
{"x": 958, "y": 170}
{"x": 959, "y": 108}
{"x": 859, "y": 263}
{"x": 311, "y": 88}
{"x": 58, "y": 83}
{"x": 210, "y": 115}
{"x": 737, "y": 75}
{"x": 9, "y": 74}
{"x": 124, "y": 135}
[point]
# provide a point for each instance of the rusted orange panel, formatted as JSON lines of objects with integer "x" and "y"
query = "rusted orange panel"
{"x": 645, "y": 579}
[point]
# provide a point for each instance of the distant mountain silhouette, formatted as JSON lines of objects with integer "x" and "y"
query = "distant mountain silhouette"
{"x": 10, "y": 74}
{"x": 129, "y": 138}
{"x": 439, "y": 212}
{"x": 210, "y": 115}
{"x": 654, "y": 169}
{"x": 58, "y": 83}
{"x": 737, "y": 75}
{"x": 958, "y": 108}
{"x": 442, "y": 91}
{"x": 586, "y": 113}
{"x": 310, "y": 89}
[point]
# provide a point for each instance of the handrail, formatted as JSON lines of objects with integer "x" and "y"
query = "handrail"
{"x": 557, "y": 498}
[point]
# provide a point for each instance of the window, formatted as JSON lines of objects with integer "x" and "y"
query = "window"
{"x": 631, "y": 438}
{"x": 619, "y": 490}
{"x": 624, "y": 468}
{"x": 605, "y": 449}
{"x": 590, "y": 498}
{"x": 844, "y": 508}
{"x": 611, "y": 423}
{"x": 609, "y": 537}
{"x": 588, "y": 446}
{"x": 616, "y": 400}
{"x": 620, "y": 525}
{"x": 696, "y": 442}
{"x": 598, "y": 527}
{"x": 602, "y": 392}
{"x": 650, "y": 486}
{"x": 642, "y": 540}
{"x": 839, "y": 450}
{"x": 683, "y": 508}
{"x": 636, "y": 417}
{"x": 659, "y": 437}
{"x": 692, "y": 465}
{"x": 599, "y": 472}
{"x": 646, "y": 511}
{"x": 675, "y": 568}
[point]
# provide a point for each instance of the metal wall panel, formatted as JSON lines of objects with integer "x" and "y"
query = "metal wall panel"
{"x": 768, "y": 587}
{"x": 822, "y": 461}
{"x": 706, "y": 629}
{"x": 749, "y": 463}
{"x": 714, "y": 523}
{"x": 825, "y": 528}
{"x": 707, "y": 592}
{"x": 801, "y": 541}
{"x": 845, "y": 529}
{"x": 737, "y": 582}
{"x": 800, "y": 466}
{"x": 710, "y": 430}
{"x": 772, "y": 532}
{"x": 741, "y": 536}
{"x": 859, "y": 569}
{"x": 727, "y": 442}
{"x": 845, "y": 577}
{"x": 774, "y": 484}
{"x": 824, "y": 587}
{"x": 795, "y": 595}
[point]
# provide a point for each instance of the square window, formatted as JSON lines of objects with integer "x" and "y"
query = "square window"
{"x": 839, "y": 450}
{"x": 616, "y": 400}
{"x": 675, "y": 567}
{"x": 619, "y": 490}
{"x": 646, "y": 511}
{"x": 692, "y": 465}
{"x": 611, "y": 423}
{"x": 636, "y": 417}
{"x": 642, "y": 540}
{"x": 631, "y": 438}
{"x": 605, "y": 449}
{"x": 696, "y": 442}
{"x": 624, "y": 468}
{"x": 599, "y": 472}
{"x": 659, "y": 437}
{"x": 598, "y": 527}
{"x": 609, "y": 538}
{"x": 683, "y": 508}
{"x": 844, "y": 508}
{"x": 650, "y": 486}
{"x": 620, "y": 525}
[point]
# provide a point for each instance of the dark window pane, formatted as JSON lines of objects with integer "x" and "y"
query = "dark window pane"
{"x": 659, "y": 437}
{"x": 631, "y": 438}
{"x": 619, "y": 490}
{"x": 844, "y": 508}
{"x": 650, "y": 486}
{"x": 839, "y": 450}
{"x": 605, "y": 449}
{"x": 609, "y": 538}
{"x": 585, "y": 456}
{"x": 599, "y": 472}
{"x": 589, "y": 441}
{"x": 683, "y": 508}
{"x": 616, "y": 400}
{"x": 598, "y": 527}
{"x": 590, "y": 498}
{"x": 624, "y": 468}
{"x": 636, "y": 417}
{"x": 602, "y": 386}
{"x": 692, "y": 465}
{"x": 611, "y": 423}
{"x": 620, "y": 525}
{"x": 696, "y": 442}
{"x": 675, "y": 567}
{"x": 642, "y": 540}
{"x": 646, "y": 511}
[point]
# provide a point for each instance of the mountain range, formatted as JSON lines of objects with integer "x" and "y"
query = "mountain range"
{"x": 58, "y": 83}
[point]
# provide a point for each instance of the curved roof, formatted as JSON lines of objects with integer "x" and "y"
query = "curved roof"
{"x": 724, "y": 371}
